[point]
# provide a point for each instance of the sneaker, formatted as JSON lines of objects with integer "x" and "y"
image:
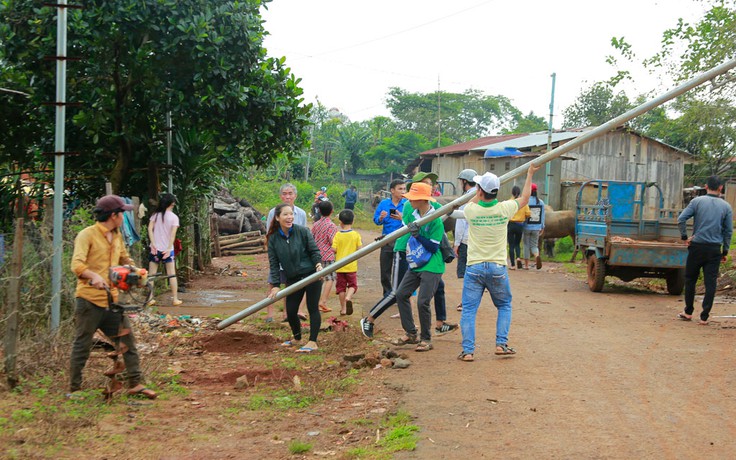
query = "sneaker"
{"x": 445, "y": 328}
{"x": 366, "y": 327}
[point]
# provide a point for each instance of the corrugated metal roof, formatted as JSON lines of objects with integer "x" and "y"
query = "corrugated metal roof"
{"x": 464, "y": 147}
{"x": 531, "y": 140}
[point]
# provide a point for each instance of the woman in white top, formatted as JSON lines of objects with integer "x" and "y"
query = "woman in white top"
{"x": 161, "y": 233}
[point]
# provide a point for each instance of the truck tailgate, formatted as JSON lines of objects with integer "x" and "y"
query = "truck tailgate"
{"x": 635, "y": 253}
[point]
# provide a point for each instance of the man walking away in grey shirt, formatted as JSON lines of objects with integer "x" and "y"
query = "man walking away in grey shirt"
{"x": 707, "y": 246}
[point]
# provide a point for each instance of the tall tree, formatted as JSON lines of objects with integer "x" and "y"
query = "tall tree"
{"x": 527, "y": 124}
{"x": 458, "y": 117}
{"x": 393, "y": 153}
{"x": 353, "y": 139}
{"x": 594, "y": 106}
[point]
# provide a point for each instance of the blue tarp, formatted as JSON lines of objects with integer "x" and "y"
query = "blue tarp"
{"x": 506, "y": 152}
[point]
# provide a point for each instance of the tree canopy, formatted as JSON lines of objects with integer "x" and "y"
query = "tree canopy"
{"x": 201, "y": 60}
{"x": 458, "y": 117}
{"x": 595, "y": 105}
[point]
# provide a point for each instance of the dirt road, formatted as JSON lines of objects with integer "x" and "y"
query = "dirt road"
{"x": 597, "y": 375}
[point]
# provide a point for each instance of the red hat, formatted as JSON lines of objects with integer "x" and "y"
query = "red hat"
{"x": 112, "y": 203}
{"x": 534, "y": 187}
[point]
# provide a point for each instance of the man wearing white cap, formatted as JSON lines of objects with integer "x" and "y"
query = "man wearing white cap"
{"x": 487, "y": 226}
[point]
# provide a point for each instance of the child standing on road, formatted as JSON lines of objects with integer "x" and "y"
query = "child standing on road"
{"x": 346, "y": 242}
{"x": 324, "y": 231}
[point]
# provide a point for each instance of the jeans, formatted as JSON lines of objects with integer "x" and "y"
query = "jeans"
{"x": 495, "y": 278}
{"x": 427, "y": 283}
{"x": 531, "y": 243}
{"x": 88, "y": 317}
{"x": 462, "y": 259}
{"x": 707, "y": 257}
{"x": 516, "y": 230}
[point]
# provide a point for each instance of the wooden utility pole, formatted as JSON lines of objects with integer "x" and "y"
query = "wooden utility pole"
{"x": 11, "y": 327}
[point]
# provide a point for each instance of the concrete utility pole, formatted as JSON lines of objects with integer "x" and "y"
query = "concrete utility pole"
{"x": 448, "y": 208}
{"x": 548, "y": 166}
{"x": 59, "y": 164}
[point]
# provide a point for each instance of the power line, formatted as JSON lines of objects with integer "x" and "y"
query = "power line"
{"x": 393, "y": 34}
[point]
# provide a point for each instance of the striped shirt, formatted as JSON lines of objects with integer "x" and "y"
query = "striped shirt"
{"x": 324, "y": 231}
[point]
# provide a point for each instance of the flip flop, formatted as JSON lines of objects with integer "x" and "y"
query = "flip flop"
{"x": 684, "y": 317}
{"x": 702, "y": 323}
{"x": 349, "y": 307}
{"x": 503, "y": 349}
{"x": 302, "y": 317}
{"x": 324, "y": 308}
{"x": 146, "y": 392}
{"x": 306, "y": 350}
{"x": 176, "y": 303}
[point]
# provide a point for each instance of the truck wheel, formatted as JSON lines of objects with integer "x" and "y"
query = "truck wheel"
{"x": 676, "y": 281}
{"x": 596, "y": 273}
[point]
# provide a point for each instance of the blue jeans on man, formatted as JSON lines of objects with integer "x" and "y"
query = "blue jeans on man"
{"x": 478, "y": 278}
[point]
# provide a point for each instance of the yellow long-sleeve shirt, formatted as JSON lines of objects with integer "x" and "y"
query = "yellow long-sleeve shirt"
{"x": 93, "y": 252}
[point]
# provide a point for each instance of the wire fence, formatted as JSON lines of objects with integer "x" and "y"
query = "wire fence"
{"x": 34, "y": 310}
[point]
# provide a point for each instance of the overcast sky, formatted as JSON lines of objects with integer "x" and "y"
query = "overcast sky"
{"x": 350, "y": 52}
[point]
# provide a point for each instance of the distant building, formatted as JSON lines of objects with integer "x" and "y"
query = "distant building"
{"x": 621, "y": 154}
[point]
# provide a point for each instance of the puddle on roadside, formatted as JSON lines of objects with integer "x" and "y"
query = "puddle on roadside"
{"x": 212, "y": 298}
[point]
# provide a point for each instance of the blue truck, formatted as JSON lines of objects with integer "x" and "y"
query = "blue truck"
{"x": 616, "y": 239}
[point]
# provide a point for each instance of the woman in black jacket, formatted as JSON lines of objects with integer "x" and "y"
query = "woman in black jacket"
{"x": 292, "y": 248}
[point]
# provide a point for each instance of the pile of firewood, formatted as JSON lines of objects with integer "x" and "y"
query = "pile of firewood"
{"x": 237, "y": 227}
{"x": 241, "y": 243}
{"x": 235, "y": 216}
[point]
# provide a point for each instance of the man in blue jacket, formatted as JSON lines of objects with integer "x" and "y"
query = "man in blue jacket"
{"x": 388, "y": 214}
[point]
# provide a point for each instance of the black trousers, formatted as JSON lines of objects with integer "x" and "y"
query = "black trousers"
{"x": 313, "y": 293}
{"x": 386, "y": 262}
{"x": 462, "y": 259}
{"x": 708, "y": 258}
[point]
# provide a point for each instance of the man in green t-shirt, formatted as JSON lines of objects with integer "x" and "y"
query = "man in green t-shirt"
{"x": 424, "y": 275}
{"x": 487, "y": 231}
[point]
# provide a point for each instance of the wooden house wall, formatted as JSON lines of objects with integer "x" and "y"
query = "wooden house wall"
{"x": 622, "y": 155}
{"x": 618, "y": 155}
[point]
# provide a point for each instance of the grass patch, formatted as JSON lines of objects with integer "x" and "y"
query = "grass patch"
{"x": 279, "y": 400}
{"x": 298, "y": 447}
{"x": 245, "y": 259}
{"x": 400, "y": 435}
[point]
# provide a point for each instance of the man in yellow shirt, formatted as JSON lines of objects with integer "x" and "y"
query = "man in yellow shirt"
{"x": 96, "y": 249}
{"x": 487, "y": 234}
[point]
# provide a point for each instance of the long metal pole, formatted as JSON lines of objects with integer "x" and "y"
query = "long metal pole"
{"x": 59, "y": 166}
{"x": 548, "y": 167}
{"x": 448, "y": 208}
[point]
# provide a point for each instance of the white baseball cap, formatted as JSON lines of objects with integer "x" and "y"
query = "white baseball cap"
{"x": 488, "y": 182}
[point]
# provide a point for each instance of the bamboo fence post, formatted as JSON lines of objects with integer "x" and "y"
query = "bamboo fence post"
{"x": 11, "y": 327}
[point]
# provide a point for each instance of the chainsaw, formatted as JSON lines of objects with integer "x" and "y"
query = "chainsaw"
{"x": 124, "y": 277}
{"x": 127, "y": 278}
